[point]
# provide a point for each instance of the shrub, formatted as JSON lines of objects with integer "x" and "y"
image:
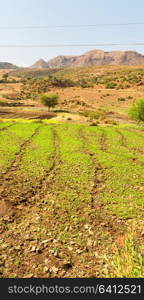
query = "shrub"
{"x": 49, "y": 100}
{"x": 94, "y": 124}
{"x": 83, "y": 83}
{"x": 3, "y": 103}
{"x": 5, "y": 77}
{"x": 111, "y": 85}
{"x": 137, "y": 110}
{"x": 121, "y": 99}
{"x": 62, "y": 83}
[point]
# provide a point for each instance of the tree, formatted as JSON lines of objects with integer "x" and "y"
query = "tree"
{"x": 49, "y": 100}
{"x": 5, "y": 77}
{"x": 137, "y": 110}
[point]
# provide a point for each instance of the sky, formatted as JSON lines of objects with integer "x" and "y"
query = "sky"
{"x": 64, "y": 12}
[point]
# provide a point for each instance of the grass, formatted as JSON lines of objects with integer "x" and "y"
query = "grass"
{"x": 38, "y": 155}
{"x": 11, "y": 141}
{"x": 127, "y": 261}
{"x": 73, "y": 190}
{"x": 4, "y": 124}
{"x": 124, "y": 176}
{"x": 78, "y": 191}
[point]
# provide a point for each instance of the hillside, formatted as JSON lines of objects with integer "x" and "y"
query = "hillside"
{"x": 82, "y": 89}
{"x": 6, "y": 65}
{"x": 95, "y": 57}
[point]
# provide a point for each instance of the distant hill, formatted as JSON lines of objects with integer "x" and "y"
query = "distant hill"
{"x": 40, "y": 64}
{"x": 6, "y": 65}
{"x": 94, "y": 57}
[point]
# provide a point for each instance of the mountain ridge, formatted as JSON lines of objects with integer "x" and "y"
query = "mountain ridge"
{"x": 6, "y": 65}
{"x": 93, "y": 57}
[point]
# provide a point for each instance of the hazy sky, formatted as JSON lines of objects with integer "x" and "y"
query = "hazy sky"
{"x": 67, "y": 12}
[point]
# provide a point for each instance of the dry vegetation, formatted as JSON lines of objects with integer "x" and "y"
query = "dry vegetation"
{"x": 112, "y": 89}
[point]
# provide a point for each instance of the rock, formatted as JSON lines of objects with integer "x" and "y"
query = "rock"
{"x": 91, "y": 232}
{"x": 70, "y": 248}
{"x": 2, "y": 263}
{"x": 86, "y": 226}
{"x": 45, "y": 241}
{"x": 89, "y": 243}
{"x": 56, "y": 253}
{"x": 17, "y": 247}
{"x": 45, "y": 269}
{"x": 39, "y": 250}
{"x": 1, "y": 270}
{"x": 79, "y": 251}
{"x": 46, "y": 261}
{"x": 67, "y": 266}
{"x": 4, "y": 246}
{"x": 54, "y": 270}
{"x": 71, "y": 242}
{"x": 33, "y": 249}
{"x": 29, "y": 276}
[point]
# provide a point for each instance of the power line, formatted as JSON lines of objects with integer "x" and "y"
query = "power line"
{"x": 70, "y": 26}
{"x": 72, "y": 45}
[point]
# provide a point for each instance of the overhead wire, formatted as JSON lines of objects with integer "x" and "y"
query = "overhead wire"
{"x": 72, "y": 45}
{"x": 69, "y": 26}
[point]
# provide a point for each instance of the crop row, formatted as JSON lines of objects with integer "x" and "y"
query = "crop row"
{"x": 123, "y": 191}
{"x": 11, "y": 142}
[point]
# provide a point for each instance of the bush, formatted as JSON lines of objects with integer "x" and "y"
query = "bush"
{"x": 137, "y": 110}
{"x": 49, "y": 100}
{"x": 121, "y": 99}
{"x": 83, "y": 83}
{"x": 129, "y": 97}
{"x": 3, "y": 103}
{"x": 62, "y": 83}
{"x": 111, "y": 85}
{"x": 94, "y": 124}
{"x": 5, "y": 77}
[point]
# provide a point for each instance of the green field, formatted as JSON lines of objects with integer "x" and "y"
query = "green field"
{"x": 71, "y": 200}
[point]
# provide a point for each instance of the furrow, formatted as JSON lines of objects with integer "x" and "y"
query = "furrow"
{"x": 102, "y": 140}
{"x": 7, "y": 179}
{"x": 98, "y": 175}
{"x": 15, "y": 163}
{"x": 45, "y": 183}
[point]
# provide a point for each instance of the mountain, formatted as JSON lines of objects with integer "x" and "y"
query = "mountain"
{"x": 94, "y": 57}
{"x": 40, "y": 64}
{"x": 6, "y": 65}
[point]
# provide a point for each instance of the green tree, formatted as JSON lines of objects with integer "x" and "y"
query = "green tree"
{"x": 5, "y": 77}
{"x": 49, "y": 100}
{"x": 137, "y": 110}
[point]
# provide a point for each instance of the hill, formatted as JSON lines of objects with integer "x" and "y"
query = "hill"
{"x": 6, "y": 65}
{"x": 94, "y": 57}
{"x": 40, "y": 64}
